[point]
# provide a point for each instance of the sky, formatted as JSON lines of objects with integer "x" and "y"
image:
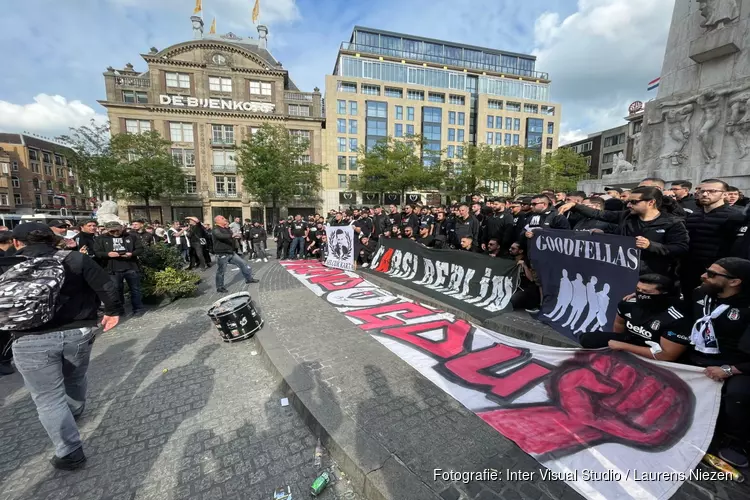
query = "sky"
{"x": 600, "y": 54}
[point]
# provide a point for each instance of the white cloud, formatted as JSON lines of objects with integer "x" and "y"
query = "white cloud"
{"x": 49, "y": 115}
{"x": 603, "y": 53}
{"x": 546, "y": 27}
{"x": 567, "y": 136}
